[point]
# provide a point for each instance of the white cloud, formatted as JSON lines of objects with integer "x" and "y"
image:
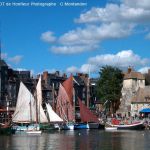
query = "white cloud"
{"x": 113, "y": 21}
{"x": 16, "y": 59}
{"x": 72, "y": 69}
{"x": 48, "y": 37}
{"x": 144, "y": 69}
{"x": 89, "y": 38}
{"x": 94, "y": 34}
{"x": 116, "y": 13}
{"x": 85, "y": 68}
{"x": 122, "y": 59}
{"x": 145, "y": 4}
{"x": 111, "y": 13}
{"x": 72, "y": 49}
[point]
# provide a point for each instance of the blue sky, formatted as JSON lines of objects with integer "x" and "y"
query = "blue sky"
{"x": 76, "y": 38}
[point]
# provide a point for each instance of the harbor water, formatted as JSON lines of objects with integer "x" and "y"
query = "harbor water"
{"x": 78, "y": 140}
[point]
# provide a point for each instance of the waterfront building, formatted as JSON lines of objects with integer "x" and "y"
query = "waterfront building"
{"x": 132, "y": 82}
{"x": 140, "y": 100}
{"x": 50, "y": 86}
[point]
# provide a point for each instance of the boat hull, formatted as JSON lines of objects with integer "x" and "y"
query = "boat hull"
{"x": 67, "y": 126}
{"x": 81, "y": 126}
{"x": 96, "y": 125}
{"x": 49, "y": 127}
{"x": 135, "y": 126}
{"x": 26, "y": 127}
{"x": 90, "y": 125}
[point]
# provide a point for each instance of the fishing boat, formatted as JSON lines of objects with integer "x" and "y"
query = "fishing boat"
{"x": 132, "y": 126}
{"x": 65, "y": 106}
{"x": 137, "y": 125}
{"x": 54, "y": 119}
{"x": 64, "y": 109}
{"x": 88, "y": 119}
{"x": 29, "y": 112}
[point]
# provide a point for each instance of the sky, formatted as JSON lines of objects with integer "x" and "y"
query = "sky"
{"x": 49, "y": 35}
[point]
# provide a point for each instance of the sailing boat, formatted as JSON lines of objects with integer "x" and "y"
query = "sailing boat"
{"x": 52, "y": 116}
{"x": 89, "y": 120}
{"x": 64, "y": 105}
{"x": 54, "y": 119}
{"x": 25, "y": 115}
{"x": 40, "y": 114}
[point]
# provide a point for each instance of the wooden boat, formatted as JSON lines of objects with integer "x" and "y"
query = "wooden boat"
{"x": 54, "y": 119}
{"x": 67, "y": 126}
{"x": 89, "y": 120}
{"x": 65, "y": 106}
{"x": 132, "y": 126}
{"x": 29, "y": 112}
{"x": 128, "y": 126}
{"x": 81, "y": 126}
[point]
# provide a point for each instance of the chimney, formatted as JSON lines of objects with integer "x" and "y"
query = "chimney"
{"x": 129, "y": 69}
{"x": 45, "y": 75}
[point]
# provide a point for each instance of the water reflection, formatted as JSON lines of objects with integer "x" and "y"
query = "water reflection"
{"x": 78, "y": 140}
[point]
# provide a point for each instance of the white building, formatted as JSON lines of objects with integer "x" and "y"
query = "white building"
{"x": 132, "y": 82}
{"x": 141, "y": 100}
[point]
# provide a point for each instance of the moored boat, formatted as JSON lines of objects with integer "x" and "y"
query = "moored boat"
{"x": 67, "y": 126}
{"x": 132, "y": 126}
{"x": 89, "y": 120}
{"x": 29, "y": 112}
{"x": 81, "y": 126}
{"x": 65, "y": 104}
{"x": 138, "y": 125}
{"x": 54, "y": 119}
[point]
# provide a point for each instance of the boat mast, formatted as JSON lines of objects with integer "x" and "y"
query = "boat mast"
{"x": 30, "y": 109}
{"x": 36, "y": 105}
{"x": 88, "y": 87}
{"x": 53, "y": 97}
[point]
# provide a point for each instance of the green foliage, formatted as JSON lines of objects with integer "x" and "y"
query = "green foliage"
{"x": 109, "y": 84}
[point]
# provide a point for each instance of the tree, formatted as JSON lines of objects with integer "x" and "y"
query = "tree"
{"x": 109, "y": 86}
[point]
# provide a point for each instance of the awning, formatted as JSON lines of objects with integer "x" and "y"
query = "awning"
{"x": 145, "y": 110}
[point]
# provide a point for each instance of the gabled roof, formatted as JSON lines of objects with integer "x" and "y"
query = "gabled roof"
{"x": 134, "y": 75}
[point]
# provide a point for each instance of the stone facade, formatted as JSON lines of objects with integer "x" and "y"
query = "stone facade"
{"x": 131, "y": 83}
{"x": 141, "y": 100}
